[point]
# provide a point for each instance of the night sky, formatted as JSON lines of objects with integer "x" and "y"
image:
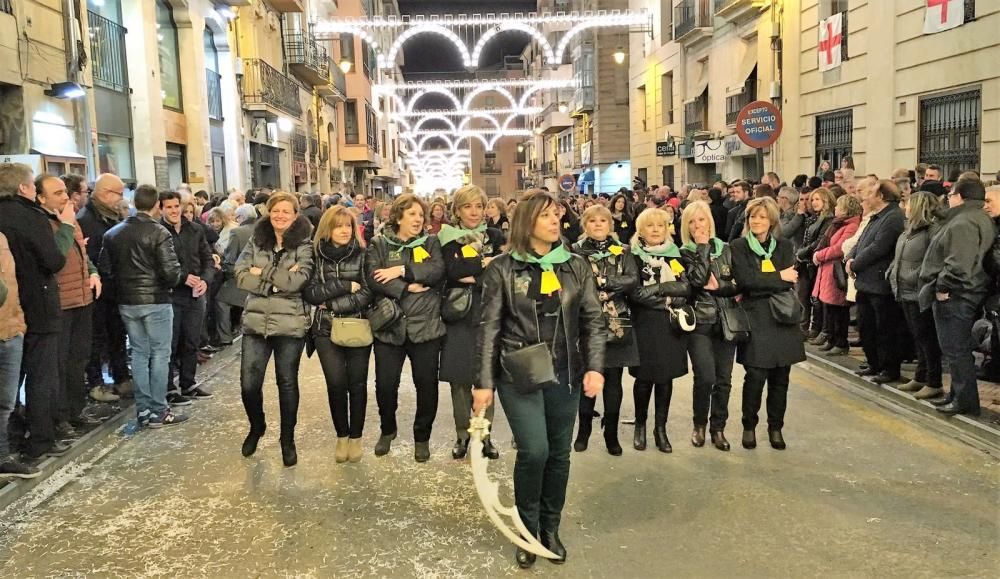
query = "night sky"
{"x": 431, "y": 56}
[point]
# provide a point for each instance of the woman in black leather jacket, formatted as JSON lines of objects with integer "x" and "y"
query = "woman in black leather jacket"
{"x": 710, "y": 270}
{"x": 616, "y": 275}
{"x": 405, "y": 265}
{"x": 663, "y": 285}
{"x": 468, "y": 247}
{"x": 822, "y": 204}
{"x": 339, "y": 289}
{"x": 540, "y": 293}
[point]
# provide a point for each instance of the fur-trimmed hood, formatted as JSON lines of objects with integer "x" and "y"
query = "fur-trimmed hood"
{"x": 297, "y": 234}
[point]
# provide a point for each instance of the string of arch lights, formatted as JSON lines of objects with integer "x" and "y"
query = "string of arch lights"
{"x": 435, "y": 167}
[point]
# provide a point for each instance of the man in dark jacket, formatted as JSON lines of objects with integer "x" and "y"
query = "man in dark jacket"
{"x": 39, "y": 255}
{"x": 879, "y": 316}
{"x": 312, "y": 208}
{"x": 98, "y": 216}
{"x": 139, "y": 262}
{"x": 955, "y": 283}
{"x": 735, "y": 220}
{"x": 197, "y": 270}
{"x": 991, "y": 369}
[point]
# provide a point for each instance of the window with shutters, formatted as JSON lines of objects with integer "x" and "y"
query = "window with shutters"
{"x": 834, "y": 136}
{"x": 951, "y": 129}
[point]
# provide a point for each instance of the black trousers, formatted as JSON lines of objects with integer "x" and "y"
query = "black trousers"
{"x": 837, "y": 319}
{"x": 346, "y": 372}
{"x": 925, "y": 338}
{"x": 257, "y": 352}
{"x": 641, "y": 393}
{"x": 712, "y": 359}
{"x": 613, "y": 395}
{"x": 189, "y": 315}
{"x": 880, "y": 321}
{"x": 804, "y": 289}
{"x": 424, "y": 360}
{"x": 41, "y": 389}
{"x": 75, "y": 343}
{"x": 109, "y": 344}
{"x": 777, "y": 395}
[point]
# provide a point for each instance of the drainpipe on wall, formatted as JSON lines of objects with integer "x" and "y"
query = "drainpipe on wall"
{"x": 81, "y": 106}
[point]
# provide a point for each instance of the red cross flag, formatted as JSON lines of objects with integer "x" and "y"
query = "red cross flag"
{"x": 831, "y": 38}
{"x": 943, "y": 15}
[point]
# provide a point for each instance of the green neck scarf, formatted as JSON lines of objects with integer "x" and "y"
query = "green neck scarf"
{"x": 559, "y": 254}
{"x": 647, "y": 253}
{"x": 715, "y": 245}
{"x": 757, "y": 248}
{"x": 450, "y": 233}
{"x": 417, "y": 242}
{"x": 598, "y": 256}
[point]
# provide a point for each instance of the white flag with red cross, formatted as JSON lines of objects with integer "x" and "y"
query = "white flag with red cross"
{"x": 831, "y": 42}
{"x": 943, "y": 15}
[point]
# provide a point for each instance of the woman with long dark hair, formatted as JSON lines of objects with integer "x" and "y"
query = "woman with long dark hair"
{"x": 468, "y": 246}
{"x": 404, "y": 265}
{"x": 339, "y": 289}
{"x": 542, "y": 318}
{"x": 624, "y": 220}
{"x": 274, "y": 267}
{"x": 616, "y": 275}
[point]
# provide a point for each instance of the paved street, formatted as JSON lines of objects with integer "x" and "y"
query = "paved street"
{"x": 859, "y": 492}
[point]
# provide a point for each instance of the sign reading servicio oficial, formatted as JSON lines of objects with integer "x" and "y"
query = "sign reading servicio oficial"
{"x": 759, "y": 124}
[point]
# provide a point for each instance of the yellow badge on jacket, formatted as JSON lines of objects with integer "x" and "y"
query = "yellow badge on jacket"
{"x": 676, "y": 267}
{"x": 615, "y": 250}
{"x": 420, "y": 254}
{"x": 767, "y": 266}
{"x": 550, "y": 283}
{"x": 469, "y": 251}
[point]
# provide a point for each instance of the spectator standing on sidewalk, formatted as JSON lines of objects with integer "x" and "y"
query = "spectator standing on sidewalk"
{"x": 837, "y": 310}
{"x": 77, "y": 189}
{"x": 12, "y": 328}
{"x": 188, "y": 299}
{"x": 954, "y": 283}
{"x": 39, "y": 255}
{"x": 139, "y": 261}
{"x": 78, "y": 282}
{"x": 991, "y": 369}
{"x": 95, "y": 219}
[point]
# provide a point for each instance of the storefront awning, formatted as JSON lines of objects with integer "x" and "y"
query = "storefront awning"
{"x": 746, "y": 66}
{"x": 697, "y": 80}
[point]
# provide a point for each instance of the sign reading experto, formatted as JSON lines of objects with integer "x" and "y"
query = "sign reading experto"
{"x": 759, "y": 124}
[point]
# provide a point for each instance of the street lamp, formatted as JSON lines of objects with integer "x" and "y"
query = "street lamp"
{"x": 619, "y": 55}
{"x": 345, "y": 65}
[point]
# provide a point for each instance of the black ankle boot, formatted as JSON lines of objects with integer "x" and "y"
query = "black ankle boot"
{"x": 525, "y": 560}
{"x": 550, "y": 540}
{"x": 250, "y": 442}
{"x": 660, "y": 436}
{"x": 583, "y": 434}
{"x": 719, "y": 440}
{"x": 461, "y": 448}
{"x": 288, "y": 455}
{"x": 749, "y": 439}
{"x": 777, "y": 441}
{"x": 490, "y": 451}
{"x": 698, "y": 436}
{"x": 639, "y": 440}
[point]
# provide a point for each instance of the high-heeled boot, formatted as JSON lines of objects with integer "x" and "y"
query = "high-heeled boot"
{"x": 660, "y": 436}
{"x": 610, "y": 423}
{"x": 639, "y": 439}
{"x": 289, "y": 456}
{"x": 583, "y": 433}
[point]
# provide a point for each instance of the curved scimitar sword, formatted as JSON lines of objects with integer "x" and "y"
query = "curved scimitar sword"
{"x": 489, "y": 494}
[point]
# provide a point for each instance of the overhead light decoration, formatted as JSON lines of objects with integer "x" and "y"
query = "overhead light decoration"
{"x": 66, "y": 90}
{"x": 285, "y": 124}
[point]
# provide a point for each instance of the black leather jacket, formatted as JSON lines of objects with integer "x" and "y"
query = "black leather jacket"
{"x": 333, "y": 271}
{"x": 193, "y": 252}
{"x": 139, "y": 261}
{"x": 421, "y": 320}
{"x": 616, "y": 276}
{"x": 654, "y": 296}
{"x": 699, "y": 265}
{"x": 510, "y": 318}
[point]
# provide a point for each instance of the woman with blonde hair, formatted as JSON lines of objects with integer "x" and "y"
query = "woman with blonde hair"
{"x": 821, "y": 203}
{"x": 223, "y": 224}
{"x": 496, "y": 216}
{"x": 467, "y": 246}
{"x": 664, "y": 289}
{"x": 339, "y": 290}
{"x": 836, "y": 309}
{"x": 404, "y": 268}
{"x": 616, "y": 275}
{"x": 765, "y": 274}
{"x": 711, "y": 346}
{"x": 274, "y": 267}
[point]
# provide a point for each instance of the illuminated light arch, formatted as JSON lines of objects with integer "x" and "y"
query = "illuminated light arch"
{"x": 390, "y": 58}
{"x": 527, "y": 95}
{"x": 433, "y": 90}
{"x": 560, "y": 51}
{"x": 422, "y": 142}
{"x": 406, "y": 124}
{"x": 513, "y": 27}
{"x": 472, "y": 116}
{"x": 434, "y": 117}
{"x": 467, "y": 105}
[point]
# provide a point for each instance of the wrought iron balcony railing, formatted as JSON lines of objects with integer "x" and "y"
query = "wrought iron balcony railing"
{"x": 736, "y": 102}
{"x": 107, "y": 53}
{"x": 490, "y": 169}
{"x": 307, "y": 58}
{"x": 264, "y": 85}
{"x": 691, "y": 14}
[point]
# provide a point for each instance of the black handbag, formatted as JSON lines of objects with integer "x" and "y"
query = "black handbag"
{"x": 840, "y": 275}
{"x": 456, "y": 303}
{"x": 735, "y": 323}
{"x": 682, "y": 319}
{"x": 785, "y": 308}
{"x": 531, "y": 368}
{"x": 383, "y": 314}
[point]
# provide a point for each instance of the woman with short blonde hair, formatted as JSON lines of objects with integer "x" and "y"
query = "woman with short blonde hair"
{"x": 496, "y": 216}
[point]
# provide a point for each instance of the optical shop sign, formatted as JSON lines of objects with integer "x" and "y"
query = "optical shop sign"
{"x": 710, "y": 152}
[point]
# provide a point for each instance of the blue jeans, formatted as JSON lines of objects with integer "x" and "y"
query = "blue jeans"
{"x": 10, "y": 379}
{"x": 150, "y": 330}
{"x": 954, "y": 319}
